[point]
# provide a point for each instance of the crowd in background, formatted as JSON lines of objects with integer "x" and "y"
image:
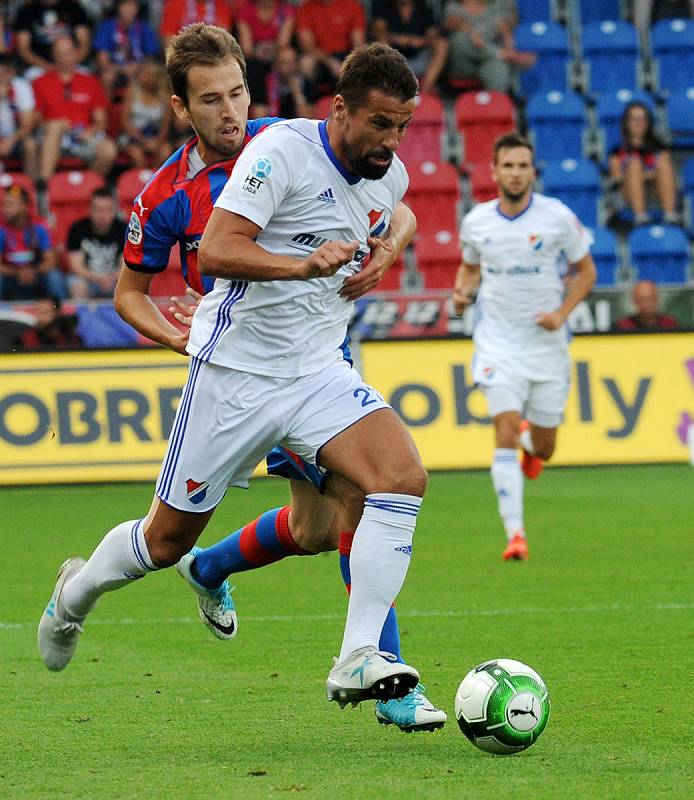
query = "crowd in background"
{"x": 83, "y": 86}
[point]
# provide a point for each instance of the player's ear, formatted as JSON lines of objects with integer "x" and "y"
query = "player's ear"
{"x": 179, "y": 108}
{"x": 338, "y": 108}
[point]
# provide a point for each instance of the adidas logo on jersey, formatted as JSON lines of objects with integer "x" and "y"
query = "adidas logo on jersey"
{"x": 327, "y": 196}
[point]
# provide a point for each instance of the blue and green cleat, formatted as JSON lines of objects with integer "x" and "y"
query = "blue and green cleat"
{"x": 215, "y": 606}
{"x": 412, "y": 713}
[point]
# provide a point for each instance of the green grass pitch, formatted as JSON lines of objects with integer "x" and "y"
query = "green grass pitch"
{"x": 153, "y": 707}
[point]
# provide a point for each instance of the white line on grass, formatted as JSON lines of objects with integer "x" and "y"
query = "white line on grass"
{"x": 484, "y": 612}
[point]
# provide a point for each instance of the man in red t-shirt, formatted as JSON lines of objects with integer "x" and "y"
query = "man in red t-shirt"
{"x": 179, "y": 13}
{"x": 327, "y": 30}
{"x": 72, "y": 107}
{"x": 647, "y": 316}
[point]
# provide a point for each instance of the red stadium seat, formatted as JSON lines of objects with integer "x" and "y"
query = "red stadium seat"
{"x": 8, "y": 179}
{"x": 392, "y": 280}
{"x": 438, "y": 257}
{"x": 481, "y": 117}
{"x": 424, "y": 133}
{"x": 68, "y": 199}
{"x": 129, "y": 184}
{"x": 170, "y": 281}
{"x": 433, "y": 194}
{"x": 321, "y": 108}
{"x": 481, "y": 182}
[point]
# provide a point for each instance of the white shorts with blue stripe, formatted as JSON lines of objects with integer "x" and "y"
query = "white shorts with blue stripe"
{"x": 227, "y": 421}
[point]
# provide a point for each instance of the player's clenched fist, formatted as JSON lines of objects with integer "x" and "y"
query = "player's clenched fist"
{"x": 461, "y": 300}
{"x": 327, "y": 259}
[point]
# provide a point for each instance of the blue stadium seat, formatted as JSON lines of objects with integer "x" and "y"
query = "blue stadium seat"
{"x": 672, "y": 45}
{"x": 680, "y": 117}
{"x": 611, "y": 50}
{"x": 604, "y": 252}
{"x": 596, "y": 10}
{"x": 660, "y": 253}
{"x": 609, "y": 110}
{"x": 101, "y": 326}
{"x": 551, "y": 43}
{"x": 556, "y": 124}
{"x": 534, "y": 10}
{"x": 576, "y": 182}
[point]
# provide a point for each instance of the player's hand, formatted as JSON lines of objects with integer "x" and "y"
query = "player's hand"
{"x": 461, "y": 300}
{"x": 177, "y": 342}
{"x": 551, "y": 321}
{"x": 327, "y": 259}
{"x": 182, "y": 310}
{"x": 380, "y": 261}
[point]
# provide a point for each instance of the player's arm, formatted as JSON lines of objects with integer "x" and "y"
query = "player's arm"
{"x": 228, "y": 250}
{"x": 384, "y": 252}
{"x": 583, "y": 277}
{"x": 467, "y": 281}
{"x": 133, "y": 302}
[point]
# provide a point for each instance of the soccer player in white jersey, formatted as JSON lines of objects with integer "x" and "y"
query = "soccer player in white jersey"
{"x": 515, "y": 251}
{"x": 267, "y": 367}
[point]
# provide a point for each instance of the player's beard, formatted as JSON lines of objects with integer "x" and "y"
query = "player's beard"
{"x": 513, "y": 197}
{"x": 359, "y": 164}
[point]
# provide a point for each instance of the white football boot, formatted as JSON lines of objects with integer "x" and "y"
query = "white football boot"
{"x": 58, "y": 635}
{"x": 368, "y": 674}
{"x": 215, "y": 606}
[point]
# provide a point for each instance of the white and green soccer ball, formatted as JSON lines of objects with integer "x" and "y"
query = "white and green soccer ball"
{"x": 502, "y": 706}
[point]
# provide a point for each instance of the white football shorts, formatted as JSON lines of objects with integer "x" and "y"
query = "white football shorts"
{"x": 227, "y": 421}
{"x": 537, "y": 387}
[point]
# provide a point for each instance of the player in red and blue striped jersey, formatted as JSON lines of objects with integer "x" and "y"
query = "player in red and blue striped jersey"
{"x": 173, "y": 209}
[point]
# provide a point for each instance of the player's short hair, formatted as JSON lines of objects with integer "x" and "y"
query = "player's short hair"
{"x": 375, "y": 67}
{"x": 197, "y": 45}
{"x": 512, "y": 139}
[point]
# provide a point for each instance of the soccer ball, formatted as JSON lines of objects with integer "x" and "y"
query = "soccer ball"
{"x": 261, "y": 168}
{"x": 502, "y": 706}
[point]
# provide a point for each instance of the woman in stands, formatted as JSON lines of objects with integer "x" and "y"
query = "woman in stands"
{"x": 642, "y": 161}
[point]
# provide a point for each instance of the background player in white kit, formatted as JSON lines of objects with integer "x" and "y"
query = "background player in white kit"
{"x": 515, "y": 251}
{"x": 267, "y": 368}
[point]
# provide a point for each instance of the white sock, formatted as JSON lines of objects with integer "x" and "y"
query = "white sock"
{"x": 378, "y": 563}
{"x": 526, "y": 442}
{"x": 120, "y": 558}
{"x": 508, "y": 485}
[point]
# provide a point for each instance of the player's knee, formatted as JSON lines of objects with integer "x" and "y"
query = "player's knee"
{"x": 544, "y": 450}
{"x": 411, "y": 480}
{"x": 167, "y": 547}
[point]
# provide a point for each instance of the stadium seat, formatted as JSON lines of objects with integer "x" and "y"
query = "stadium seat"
{"x": 321, "y": 107}
{"x": 534, "y": 10}
{"x": 605, "y": 255}
{"x": 556, "y": 124}
{"x": 609, "y": 110}
{"x": 101, "y": 326}
{"x": 129, "y": 184}
{"x": 660, "y": 253}
{"x": 68, "y": 198}
{"x": 596, "y": 10}
{"x": 610, "y": 48}
{"x": 8, "y": 179}
{"x": 672, "y": 46}
{"x": 680, "y": 117}
{"x": 433, "y": 194}
{"x": 481, "y": 117}
{"x": 551, "y": 43}
{"x": 424, "y": 135}
{"x": 438, "y": 258}
{"x": 482, "y": 184}
{"x": 575, "y": 182}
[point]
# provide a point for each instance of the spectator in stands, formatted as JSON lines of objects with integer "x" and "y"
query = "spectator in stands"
{"x": 40, "y": 23}
{"x": 179, "y": 13}
{"x": 290, "y": 92}
{"x": 480, "y": 44}
{"x": 647, "y": 317}
{"x": 27, "y": 258}
{"x": 95, "y": 248}
{"x": 408, "y": 25}
{"x": 54, "y": 330}
{"x": 648, "y": 12}
{"x": 640, "y": 161}
{"x": 17, "y": 123}
{"x": 72, "y": 106}
{"x": 263, "y": 28}
{"x": 326, "y": 31}
{"x": 122, "y": 42}
{"x": 146, "y": 116}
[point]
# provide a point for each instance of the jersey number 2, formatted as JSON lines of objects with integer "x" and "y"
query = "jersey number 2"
{"x": 366, "y": 399}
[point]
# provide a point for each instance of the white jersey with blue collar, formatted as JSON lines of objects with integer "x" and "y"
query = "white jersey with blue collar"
{"x": 289, "y": 182}
{"x": 522, "y": 260}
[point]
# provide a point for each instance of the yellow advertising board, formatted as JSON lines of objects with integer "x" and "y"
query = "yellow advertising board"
{"x": 102, "y": 416}
{"x": 631, "y": 399}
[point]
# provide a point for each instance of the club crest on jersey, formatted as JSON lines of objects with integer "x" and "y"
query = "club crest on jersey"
{"x": 134, "y": 229}
{"x": 196, "y": 491}
{"x": 535, "y": 241}
{"x": 378, "y": 220}
{"x": 488, "y": 372}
